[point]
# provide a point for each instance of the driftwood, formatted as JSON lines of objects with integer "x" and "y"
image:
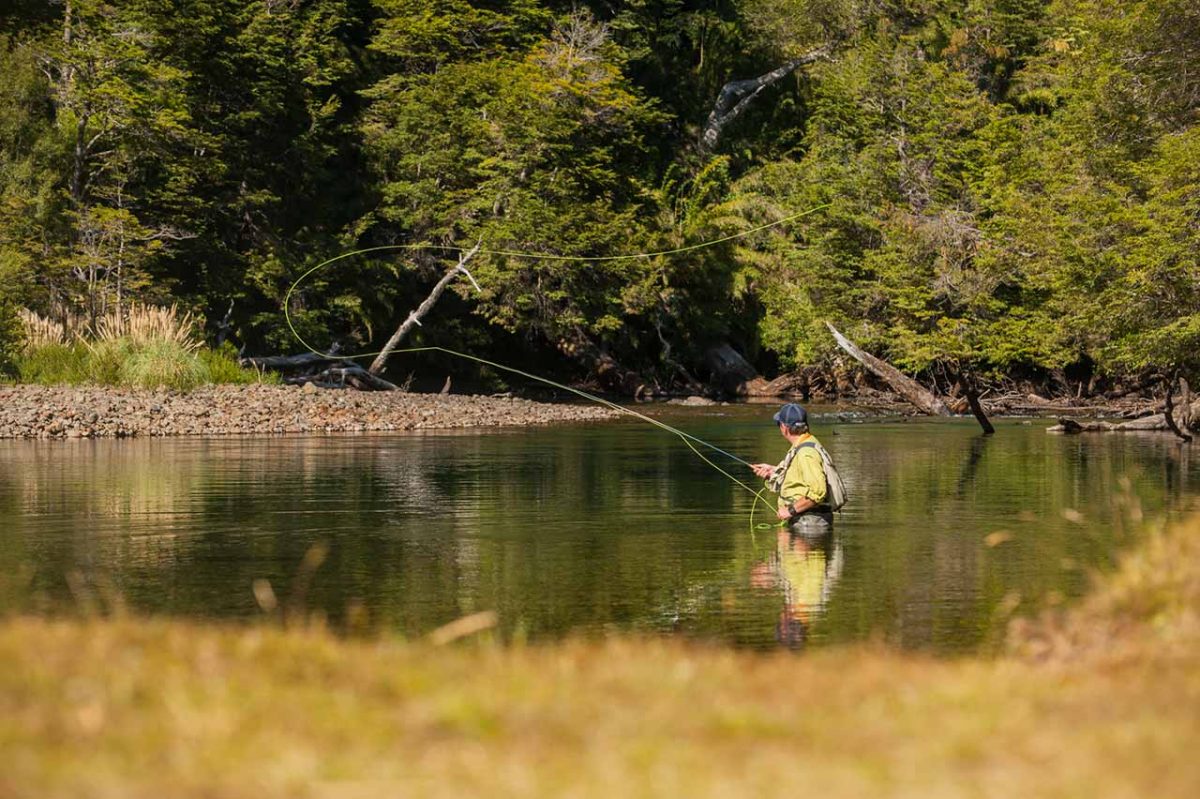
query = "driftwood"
{"x": 284, "y": 363}
{"x": 414, "y": 318}
{"x": 344, "y": 375}
{"x": 924, "y": 399}
{"x": 796, "y": 383}
{"x": 1157, "y": 422}
{"x": 1135, "y": 388}
{"x": 736, "y": 95}
{"x": 325, "y": 371}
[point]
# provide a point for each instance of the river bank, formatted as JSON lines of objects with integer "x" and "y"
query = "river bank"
{"x": 34, "y": 411}
{"x": 1101, "y": 701}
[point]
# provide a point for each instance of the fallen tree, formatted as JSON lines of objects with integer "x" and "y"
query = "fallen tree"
{"x": 925, "y": 400}
{"x": 324, "y": 371}
{"x": 1157, "y": 422}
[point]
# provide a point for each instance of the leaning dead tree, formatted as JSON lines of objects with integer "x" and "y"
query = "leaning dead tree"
{"x": 925, "y": 400}
{"x": 928, "y": 402}
{"x": 736, "y": 95}
{"x": 414, "y": 318}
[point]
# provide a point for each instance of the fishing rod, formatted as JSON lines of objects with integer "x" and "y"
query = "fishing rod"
{"x": 687, "y": 438}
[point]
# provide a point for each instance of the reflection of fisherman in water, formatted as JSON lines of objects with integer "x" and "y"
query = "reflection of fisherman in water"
{"x": 799, "y": 479}
{"x": 805, "y": 568}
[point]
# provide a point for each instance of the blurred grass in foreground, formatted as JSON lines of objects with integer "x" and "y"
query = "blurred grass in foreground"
{"x": 1100, "y": 700}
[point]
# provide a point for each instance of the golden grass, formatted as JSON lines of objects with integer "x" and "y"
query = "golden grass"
{"x": 142, "y": 325}
{"x": 1102, "y": 701}
{"x": 40, "y": 331}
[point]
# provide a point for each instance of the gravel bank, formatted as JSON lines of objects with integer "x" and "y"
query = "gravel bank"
{"x": 98, "y": 412}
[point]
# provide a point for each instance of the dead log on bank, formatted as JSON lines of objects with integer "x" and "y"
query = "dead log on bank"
{"x": 345, "y": 375}
{"x": 925, "y": 400}
{"x": 284, "y": 363}
{"x": 324, "y": 371}
{"x": 793, "y": 384}
{"x": 1156, "y": 423}
{"x": 728, "y": 369}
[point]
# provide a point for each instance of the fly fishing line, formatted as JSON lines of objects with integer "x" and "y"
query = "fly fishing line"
{"x": 687, "y": 438}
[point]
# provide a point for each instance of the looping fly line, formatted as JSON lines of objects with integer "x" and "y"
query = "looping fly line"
{"x": 687, "y": 438}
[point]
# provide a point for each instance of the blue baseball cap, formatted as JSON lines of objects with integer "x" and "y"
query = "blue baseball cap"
{"x": 791, "y": 414}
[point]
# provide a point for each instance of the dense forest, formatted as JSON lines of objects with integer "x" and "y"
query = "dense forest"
{"x": 1006, "y": 188}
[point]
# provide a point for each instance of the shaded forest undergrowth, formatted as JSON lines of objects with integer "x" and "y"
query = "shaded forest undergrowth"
{"x": 1107, "y": 691}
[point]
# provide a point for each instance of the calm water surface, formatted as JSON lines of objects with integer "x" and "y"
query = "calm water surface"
{"x": 589, "y": 529}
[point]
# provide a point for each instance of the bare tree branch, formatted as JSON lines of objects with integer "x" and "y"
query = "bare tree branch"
{"x": 737, "y": 95}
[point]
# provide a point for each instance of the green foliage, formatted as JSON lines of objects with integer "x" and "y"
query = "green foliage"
{"x": 1011, "y": 184}
{"x": 221, "y": 366}
{"x": 12, "y": 336}
{"x": 55, "y": 364}
{"x": 120, "y": 362}
{"x": 528, "y": 151}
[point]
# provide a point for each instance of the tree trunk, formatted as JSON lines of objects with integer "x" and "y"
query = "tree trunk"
{"x": 1169, "y": 411}
{"x": 923, "y": 399}
{"x": 415, "y": 317}
{"x": 1185, "y": 392}
{"x": 737, "y": 95}
{"x": 968, "y": 388}
{"x": 728, "y": 369}
{"x": 689, "y": 382}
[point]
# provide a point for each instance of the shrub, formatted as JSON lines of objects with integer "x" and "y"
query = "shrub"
{"x": 223, "y": 367}
{"x": 51, "y": 364}
{"x": 105, "y": 360}
{"x": 144, "y": 347}
{"x": 160, "y": 363}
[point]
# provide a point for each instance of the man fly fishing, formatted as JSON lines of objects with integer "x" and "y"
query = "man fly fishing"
{"x": 806, "y": 481}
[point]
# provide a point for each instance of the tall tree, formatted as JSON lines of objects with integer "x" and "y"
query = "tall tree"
{"x": 115, "y": 114}
{"x": 526, "y": 145}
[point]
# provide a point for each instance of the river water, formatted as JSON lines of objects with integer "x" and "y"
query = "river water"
{"x": 587, "y": 529}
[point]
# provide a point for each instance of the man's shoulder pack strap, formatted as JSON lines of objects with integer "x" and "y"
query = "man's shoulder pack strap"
{"x": 835, "y": 487}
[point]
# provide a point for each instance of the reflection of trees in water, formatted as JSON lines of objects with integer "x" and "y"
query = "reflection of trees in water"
{"x": 566, "y": 528}
{"x": 421, "y": 528}
{"x": 929, "y": 496}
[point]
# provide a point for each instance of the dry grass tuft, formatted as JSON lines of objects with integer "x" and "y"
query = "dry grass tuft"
{"x": 1151, "y": 602}
{"x": 40, "y": 331}
{"x": 142, "y": 325}
{"x": 143, "y": 347}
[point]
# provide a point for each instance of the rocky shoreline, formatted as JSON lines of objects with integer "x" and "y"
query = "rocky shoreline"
{"x": 33, "y": 411}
